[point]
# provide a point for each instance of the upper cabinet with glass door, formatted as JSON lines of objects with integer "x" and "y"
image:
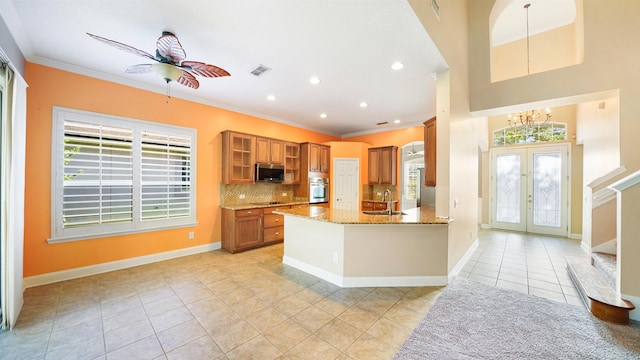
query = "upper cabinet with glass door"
{"x": 237, "y": 157}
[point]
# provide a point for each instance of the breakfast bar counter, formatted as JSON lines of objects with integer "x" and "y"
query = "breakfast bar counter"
{"x": 413, "y": 216}
{"x": 353, "y": 249}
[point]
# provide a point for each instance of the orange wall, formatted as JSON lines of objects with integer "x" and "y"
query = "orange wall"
{"x": 50, "y": 87}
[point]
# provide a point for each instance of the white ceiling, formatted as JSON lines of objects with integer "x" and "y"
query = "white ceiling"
{"x": 349, "y": 44}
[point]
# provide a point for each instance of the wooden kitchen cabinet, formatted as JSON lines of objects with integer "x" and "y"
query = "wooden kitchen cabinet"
{"x": 269, "y": 151}
{"x": 291, "y": 163}
{"x": 368, "y": 205}
{"x": 430, "y": 152}
{"x": 325, "y": 159}
{"x": 273, "y": 225}
{"x": 237, "y": 157}
{"x": 317, "y": 156}
{"x": 241, "y": 229}
{"x": 382, "y": 165}
{"x": 252, "y": 228}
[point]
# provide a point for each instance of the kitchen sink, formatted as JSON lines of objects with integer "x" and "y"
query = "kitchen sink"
{"x": 383, "y": 212}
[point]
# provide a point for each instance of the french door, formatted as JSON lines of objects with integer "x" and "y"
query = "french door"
{"x": 529, "y": 189}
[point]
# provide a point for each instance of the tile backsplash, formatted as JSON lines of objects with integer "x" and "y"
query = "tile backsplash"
{"x": 238, "y": 194}
{"x": 370, "y": 192}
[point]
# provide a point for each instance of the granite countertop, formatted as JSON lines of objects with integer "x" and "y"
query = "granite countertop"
{"x": 379, "y": 201}
{"x": 412, "y": 216}
{"x": 265, "y": 204}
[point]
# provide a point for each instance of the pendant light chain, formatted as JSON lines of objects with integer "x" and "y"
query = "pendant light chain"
{"x": 526, "y": 6}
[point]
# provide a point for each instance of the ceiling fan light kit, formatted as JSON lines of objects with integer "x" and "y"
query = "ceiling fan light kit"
{"x": 167, "y": 72}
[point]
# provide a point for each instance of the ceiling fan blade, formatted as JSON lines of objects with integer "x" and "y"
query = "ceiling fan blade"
{"x": 187, "y": 79}
{"x": 206, "y": 70}
{"x": 121, "y": 46}
{"x": 169, "y": 47}
{"x": 139, "y": 69}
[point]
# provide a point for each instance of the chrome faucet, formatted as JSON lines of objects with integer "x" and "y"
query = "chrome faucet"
{"x": 389, "y": 202}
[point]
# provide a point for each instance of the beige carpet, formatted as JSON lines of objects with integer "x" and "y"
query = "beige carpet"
{"x": 471, "y": 320}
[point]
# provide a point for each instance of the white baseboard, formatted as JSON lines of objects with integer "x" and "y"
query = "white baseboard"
{"x": 485, "y": 226}
{"x": 315, "y": 271}
{"x": 374, "y": 281}
{"x": 394, "y": 281}
{"x": 456, "y": 269}
{"x": 585, "y": 247}
{"x": 635, "y": 313}
{"x": 115, "y": 265}
{"x": 575, "y": 236}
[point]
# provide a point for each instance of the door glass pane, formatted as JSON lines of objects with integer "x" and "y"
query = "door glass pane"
{"x": 547, "y": 173}
{"x": 508, "y": 188}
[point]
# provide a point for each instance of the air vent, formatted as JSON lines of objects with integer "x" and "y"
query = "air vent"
{"x": 436, "y": 8}
{"x": 382, "y": 123}
{"x": 261, "y": 69}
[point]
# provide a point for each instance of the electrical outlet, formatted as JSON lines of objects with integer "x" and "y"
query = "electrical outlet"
{"x": 241, "y": 196}
{"x": 191, "y": 235}
{"x": 379, "y": 194}
{"x": 284, "y": 194}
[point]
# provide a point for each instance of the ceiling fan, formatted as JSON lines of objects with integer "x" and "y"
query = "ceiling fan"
{"x": 413, "y": 150}
{"x": 170, "y": 61}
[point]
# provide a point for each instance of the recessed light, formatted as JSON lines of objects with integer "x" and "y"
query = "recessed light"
{"x": 314, "y": 80}
{"x": 363, "y": 104}
{"x": 323, "y": 115}
{"x": 271, "y": 97}
{"x": 397, "y": 65}
{"x": 396, "y": 121}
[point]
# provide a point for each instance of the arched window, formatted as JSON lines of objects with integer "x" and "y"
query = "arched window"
{"x": 511, "y": 135}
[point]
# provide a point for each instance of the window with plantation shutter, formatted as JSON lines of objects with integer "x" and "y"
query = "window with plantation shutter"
{"x": 98, "y": 175}
{"x": 166, "y": 176}
{"x": 113, "y": 175}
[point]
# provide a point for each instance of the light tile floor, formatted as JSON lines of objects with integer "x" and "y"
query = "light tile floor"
{"x": 529, "y": 263}
{"x": 249, "y": 306}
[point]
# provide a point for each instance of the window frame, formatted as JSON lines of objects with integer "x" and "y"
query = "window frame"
{"x": 535, "y": 136}
{"x": 61, "y": 234}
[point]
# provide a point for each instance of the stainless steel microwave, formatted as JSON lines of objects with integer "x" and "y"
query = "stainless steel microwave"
{"x": 269, "y": 173}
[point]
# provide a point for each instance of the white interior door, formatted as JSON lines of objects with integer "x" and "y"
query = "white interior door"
{"x": 530, "y": 189}
{"x": 345, "y": 184}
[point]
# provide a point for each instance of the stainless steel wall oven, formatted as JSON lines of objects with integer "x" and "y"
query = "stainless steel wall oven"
{"x": 318, "y": 190}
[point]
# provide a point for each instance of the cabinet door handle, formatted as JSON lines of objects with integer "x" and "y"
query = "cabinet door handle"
{"x": 277, "y": 233}
{"x": 277, "y": 220}
{"x": 248, "y": 212}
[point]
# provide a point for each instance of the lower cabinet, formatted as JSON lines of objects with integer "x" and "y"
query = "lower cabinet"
{"x": 241, "y": 229}
{"x": 273, "y": 225}
{"x": 251, "y": 228}
{"x": 367, "y": 205}
{"x": 376, "y": 205}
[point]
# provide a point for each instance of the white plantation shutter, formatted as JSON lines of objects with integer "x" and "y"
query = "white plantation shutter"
{"x": 113, "y": 176}
{"x": 98, "y": 174}
{"x": 166, "y": 176}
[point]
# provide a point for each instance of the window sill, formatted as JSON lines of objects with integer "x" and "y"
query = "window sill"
{"x": 64, "y": 239}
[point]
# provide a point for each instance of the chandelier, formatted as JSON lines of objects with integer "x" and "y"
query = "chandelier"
{"x": 529, "y": 119}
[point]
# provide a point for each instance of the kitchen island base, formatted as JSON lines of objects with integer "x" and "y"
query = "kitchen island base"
{"x": 367, "y": 255}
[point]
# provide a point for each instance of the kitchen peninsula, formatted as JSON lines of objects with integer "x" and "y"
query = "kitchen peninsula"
{"x": 352, "y": 249}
